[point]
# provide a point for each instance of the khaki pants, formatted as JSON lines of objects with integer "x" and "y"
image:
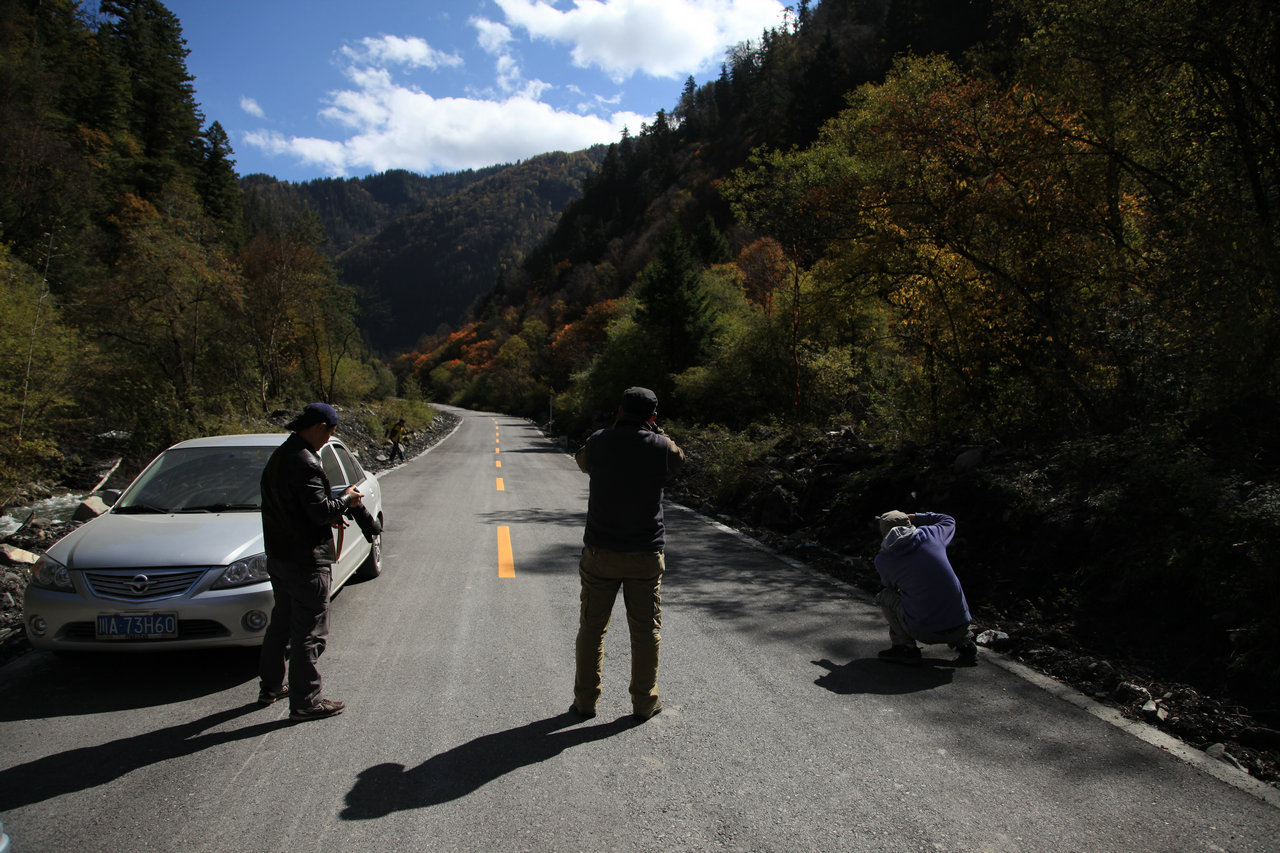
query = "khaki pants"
{"x": 640, "y": 577}
{"x": 890, "y": 602}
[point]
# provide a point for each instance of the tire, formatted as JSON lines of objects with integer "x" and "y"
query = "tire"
{"x": 372, "y": 565}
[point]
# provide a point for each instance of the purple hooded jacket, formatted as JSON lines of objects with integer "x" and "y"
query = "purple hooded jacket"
{"x": 914, "y": 561}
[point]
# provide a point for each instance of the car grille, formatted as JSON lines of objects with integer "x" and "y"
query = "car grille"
{"x": 188, "y": 629}
{"x": 142, "y": 585}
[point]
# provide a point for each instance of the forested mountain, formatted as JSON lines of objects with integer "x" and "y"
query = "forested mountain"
{"x": 1059, "y": 221}
{"x": 418, "y": 250}
{"x": 547, "y": 321}
{"x": 350, "y": 209}
{"x": 427, "y": 268}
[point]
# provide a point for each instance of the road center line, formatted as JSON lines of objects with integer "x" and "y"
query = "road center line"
{"x": 500, "y": 487}
{"x": 506, "y": 563}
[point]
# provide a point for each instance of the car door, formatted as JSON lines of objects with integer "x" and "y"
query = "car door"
{"x": 352, "y": 547}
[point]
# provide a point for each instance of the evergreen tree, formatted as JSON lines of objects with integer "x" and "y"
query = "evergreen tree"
{"x": 218, "y": 184}
{"x": 672, "y": 311}
{"x": 162, "y": 116}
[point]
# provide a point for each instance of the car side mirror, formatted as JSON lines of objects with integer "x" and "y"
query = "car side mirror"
{"x": 110, "y": 496}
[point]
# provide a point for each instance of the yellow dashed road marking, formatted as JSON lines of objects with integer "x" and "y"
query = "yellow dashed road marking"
{"x": 506, "y": 563}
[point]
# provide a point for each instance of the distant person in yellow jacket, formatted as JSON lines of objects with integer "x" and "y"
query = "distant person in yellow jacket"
{"x": 395, "y": 435}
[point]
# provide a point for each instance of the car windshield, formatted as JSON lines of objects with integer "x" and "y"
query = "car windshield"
{"x": 199, "y": 479}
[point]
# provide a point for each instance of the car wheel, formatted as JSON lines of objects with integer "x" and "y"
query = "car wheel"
{"x": 372, "y": 565}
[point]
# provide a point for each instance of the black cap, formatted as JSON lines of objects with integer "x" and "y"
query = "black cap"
{"x": 312, "y": 414}
{"x": 640, "y": 402}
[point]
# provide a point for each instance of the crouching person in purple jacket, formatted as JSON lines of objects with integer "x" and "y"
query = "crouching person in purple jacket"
{"x": 922, "y": 598}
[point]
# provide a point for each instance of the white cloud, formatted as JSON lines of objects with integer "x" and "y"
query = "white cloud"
{"x": 496, "y": 39}
{"x": 394, "y": 50}
{"x": 398, "y": 127}
{"x": 250, "y": 106}
{"x": 388, "y": 123}
{"x": 492, "y": 36}
{"x": 660, "y": 38}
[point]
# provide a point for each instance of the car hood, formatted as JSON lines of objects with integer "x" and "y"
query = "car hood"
{"x": 114, "y": 541}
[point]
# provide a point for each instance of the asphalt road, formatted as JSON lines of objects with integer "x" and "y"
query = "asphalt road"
{"x": 781, "y": 731}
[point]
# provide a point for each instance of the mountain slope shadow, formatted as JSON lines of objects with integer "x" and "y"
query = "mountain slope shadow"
{"x": 386, "y": 788}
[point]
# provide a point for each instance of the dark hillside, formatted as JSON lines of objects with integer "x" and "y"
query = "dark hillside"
{"x": 428, "y": 266}
{"x": 352, "y": 209}
{"x": 772, "y": 94}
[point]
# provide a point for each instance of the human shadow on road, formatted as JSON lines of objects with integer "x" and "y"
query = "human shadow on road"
{"x": 41, "y": 685}
{"x": 389, "y": 787}
{"x": 89, "y": 766}
{"x": 871, "y": 675}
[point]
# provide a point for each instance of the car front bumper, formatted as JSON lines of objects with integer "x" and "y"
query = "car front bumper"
{"x": 66, "y": 621}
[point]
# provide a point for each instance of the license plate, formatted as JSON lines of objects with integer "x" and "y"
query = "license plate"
{"x": 137, "y": 626}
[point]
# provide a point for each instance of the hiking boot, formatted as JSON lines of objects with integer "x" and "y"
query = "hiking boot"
{"x": 267, "y": 696}
{"x": 578, "y": 712}
{"x": 642, "y": 716}
{"x": 909, "y": 655}
{"x": 967, "y": 654}
{"x": 320, "y": 710}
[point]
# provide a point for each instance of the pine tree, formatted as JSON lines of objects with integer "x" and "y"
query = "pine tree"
{"x": 218, "y": 184}
{"x": 673, "y": 308}
{"x": 146, "y": 39}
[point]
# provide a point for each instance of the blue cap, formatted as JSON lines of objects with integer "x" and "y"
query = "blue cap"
{"x": 314, "y": 413}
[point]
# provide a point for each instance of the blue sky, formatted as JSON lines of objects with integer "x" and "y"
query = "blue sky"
{"x": 325, "y": 88}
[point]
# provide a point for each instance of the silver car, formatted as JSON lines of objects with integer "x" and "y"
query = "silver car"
{"x": 178, "y": 561}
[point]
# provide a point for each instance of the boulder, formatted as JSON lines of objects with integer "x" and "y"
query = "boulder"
{"x": 1127, "y": 691}
{"x": 993, "y": 639}
{"x": 89, "y": 509}
{"x": 15, "y": 556}
{"x": 1153, "y": 710}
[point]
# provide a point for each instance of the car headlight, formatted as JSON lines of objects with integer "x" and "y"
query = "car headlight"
{"x": 50, "y": 574}
{"x": 243, "y": 572}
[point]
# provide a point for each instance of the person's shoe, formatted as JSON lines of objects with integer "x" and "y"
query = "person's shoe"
{"x": 577, "y": 712}
{"x": 967, "y": 654}
{"x": 268, "y": 697}
{"x": 909, "y": 655}
{"x": 320, "y": 710}
{"x": 642, "y": 716}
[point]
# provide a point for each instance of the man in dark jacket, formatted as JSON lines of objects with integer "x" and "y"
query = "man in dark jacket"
{"x": 623, "y": 548}
{"x": 298, "y": 517}
{"x": 922, "y": 599}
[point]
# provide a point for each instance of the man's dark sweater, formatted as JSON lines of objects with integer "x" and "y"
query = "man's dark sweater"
{"x": 628, "y": 464}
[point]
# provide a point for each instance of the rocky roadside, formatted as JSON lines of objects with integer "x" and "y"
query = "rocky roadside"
{"x": 797, "y": 498}
{"x": 1223, "y": 729}
{"x": 20, "y": 550}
